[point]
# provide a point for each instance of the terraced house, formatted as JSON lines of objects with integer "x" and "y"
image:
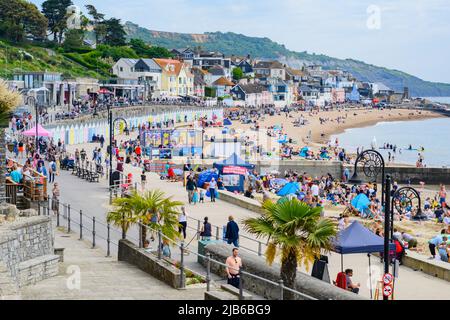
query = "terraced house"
{"x": 176, "y": 78}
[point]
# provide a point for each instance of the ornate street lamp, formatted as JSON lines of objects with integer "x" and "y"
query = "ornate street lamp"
{"x": 31, "y": 98}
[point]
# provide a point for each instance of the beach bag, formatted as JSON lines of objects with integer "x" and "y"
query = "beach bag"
{"x": 195, "y": 197}
{"x": 208, "y": 194}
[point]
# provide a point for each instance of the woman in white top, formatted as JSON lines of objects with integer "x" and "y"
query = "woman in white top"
{"x": 182, "y": 220}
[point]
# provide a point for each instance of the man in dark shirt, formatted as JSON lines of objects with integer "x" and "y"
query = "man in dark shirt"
{"x": 232, "y": 233}
{"x": 191, "y": 186}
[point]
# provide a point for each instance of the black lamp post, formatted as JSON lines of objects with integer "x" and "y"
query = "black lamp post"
{"x": 110, "y": 143}
{"x": 373, "y": 165}
{"x": 37, "y": 118}
{"x": 111, "y": 140}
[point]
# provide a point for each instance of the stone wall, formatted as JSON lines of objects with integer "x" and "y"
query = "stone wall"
{"x": 26, "y": 249}
{"x": 149, "y": 263}
{"x": 258, "y": 266}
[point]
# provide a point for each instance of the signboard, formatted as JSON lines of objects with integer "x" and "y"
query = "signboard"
{"x": 387, "y": 278}
{"x": 387, "y": 290}
{"x": 234, "y": 170}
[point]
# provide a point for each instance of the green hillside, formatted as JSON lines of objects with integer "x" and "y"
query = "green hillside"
{"x": 28, "y": 57}
{"x": 264, "y": 48}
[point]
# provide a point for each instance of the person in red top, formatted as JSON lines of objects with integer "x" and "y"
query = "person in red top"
{"x": 137, "y": 150}
{"x": 171, "y": 174}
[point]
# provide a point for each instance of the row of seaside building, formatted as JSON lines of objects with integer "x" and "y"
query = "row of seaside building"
{"x": 209, "y": 75}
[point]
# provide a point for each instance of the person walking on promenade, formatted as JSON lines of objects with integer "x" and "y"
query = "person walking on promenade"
{"x": 205, "y": 232}
{"x": 232, "y": 233}
{"x": 234, "y": 264}
{"x": 143, "y": 180}
{"x": 182, "y": 220}
{"x": 51, "y": 171}
{"x": 212, "y": 189}
{"x": 191, "y": 186}
{"x": 55, "y": 199}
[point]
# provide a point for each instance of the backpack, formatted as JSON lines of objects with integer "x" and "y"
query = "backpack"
{"x": 53, "y": 166}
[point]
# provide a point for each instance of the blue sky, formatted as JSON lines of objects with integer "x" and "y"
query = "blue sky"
{"x": 408, "y": 35}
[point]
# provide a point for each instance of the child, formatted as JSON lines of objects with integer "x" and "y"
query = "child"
{"x": 195, "y": 197}
{"x": 202, "y": 196}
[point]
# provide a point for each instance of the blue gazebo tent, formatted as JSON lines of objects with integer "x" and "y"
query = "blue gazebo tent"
{"x": 289, "y": 188}
{"x": 235, "y": 161}
{"x": 358, "y": 239}
{"x": 206, "y": 176}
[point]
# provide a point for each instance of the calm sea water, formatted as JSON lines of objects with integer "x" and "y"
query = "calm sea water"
{"x": 439, "y": 99}
{"x": 432, "y": 134}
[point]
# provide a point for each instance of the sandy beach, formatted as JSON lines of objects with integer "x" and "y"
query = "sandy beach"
{"x": 350, "y": 118}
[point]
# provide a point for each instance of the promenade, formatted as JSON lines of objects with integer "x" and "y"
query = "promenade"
{"x": 93, "y": 199}
{"x": 100, "y": 278}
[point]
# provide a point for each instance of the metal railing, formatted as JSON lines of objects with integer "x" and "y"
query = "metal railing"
{"x": 244, "y": 276}
{"x": 86, "y": 226}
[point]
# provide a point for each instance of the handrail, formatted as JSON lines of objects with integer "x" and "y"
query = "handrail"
{"x": 241, "y": 272}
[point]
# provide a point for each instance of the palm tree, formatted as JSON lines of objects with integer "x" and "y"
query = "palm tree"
{"x": 9, "y": 100}
{"x": 124, "y": 213}
{"x": 156, "y": 203}
{"x": 295, "y": 230}
{"x": 137, "y": 208}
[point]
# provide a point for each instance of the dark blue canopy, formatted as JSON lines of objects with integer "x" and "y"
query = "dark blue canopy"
{"x": 358, "y": 239}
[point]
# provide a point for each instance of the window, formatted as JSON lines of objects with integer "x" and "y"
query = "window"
{"x": 120, "y": 69}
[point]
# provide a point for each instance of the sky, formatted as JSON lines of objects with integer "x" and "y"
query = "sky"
{"x": 407, "y": 35}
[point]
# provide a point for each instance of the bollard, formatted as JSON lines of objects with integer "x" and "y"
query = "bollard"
{"x": 39, "y": 207}
{"x": 182, "y": 276}
{"x": 68, "y": 218}
{"x": 198, "y": 229}
{"x": 48, "y": 206}
{"x": 81, "y": 224}
{"x": 108, "y": 240}
{"x": 110, "y": 195}
{"x": 259, "y": 248}
{"x": 124, "y": 234}
{"x": 241, "y": 285}
{"x": 281, "y": 289}
{"x": 57, "y": 213}
{"x": 217, "y": 233}
{"x": 93, "y": 232}
{"x": 208, "y": 271}
{"x": 140, "y": 234}
{"x": 159, "y": 244}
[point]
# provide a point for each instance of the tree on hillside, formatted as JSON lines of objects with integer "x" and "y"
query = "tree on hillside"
{"x": 237, "y": 74}
{"x": 114, "y": 32}
{"x": 146, "y": 51}
{"x": 295, "y": 230}
{"x": 20, "y": 20}
{"x": 73, "y": 39}
{"x": 96, "y": 22}
{"x": 56, "y": 13}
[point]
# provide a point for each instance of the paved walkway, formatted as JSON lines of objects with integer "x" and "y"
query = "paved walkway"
{"x": 102, "y": 278}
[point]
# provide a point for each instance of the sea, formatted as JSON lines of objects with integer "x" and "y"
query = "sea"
{"x": 431, "y": 134}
